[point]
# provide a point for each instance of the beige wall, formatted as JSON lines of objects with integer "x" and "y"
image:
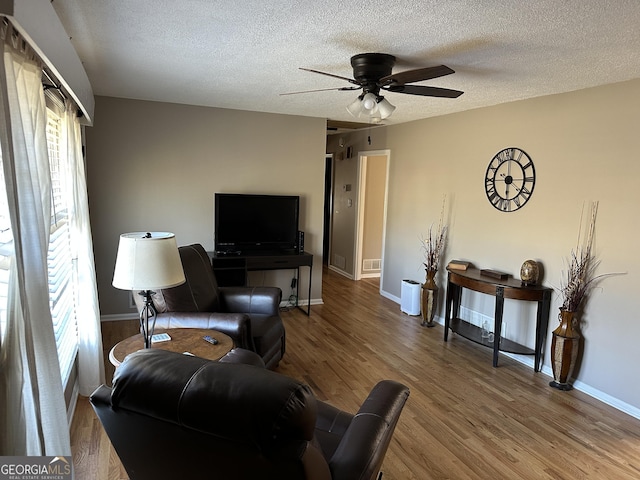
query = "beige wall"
{"x": 156, "y": 166}
{"x": 585, "y": 147}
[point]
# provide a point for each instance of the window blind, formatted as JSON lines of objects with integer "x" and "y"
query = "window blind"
{"x": 62, "y": 299}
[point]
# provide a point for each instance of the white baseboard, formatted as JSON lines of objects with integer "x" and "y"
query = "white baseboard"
{"x": 390, "y": 297}
{"x": 370, "y": 275}
{"x": 583, "y": 387}
{"x": 119, "y": 317}
{"x": 302, "y": 303}
{"x": 341, "y": 272}
{"x": 604, "y": 397}
{"x": 546, "y": 370}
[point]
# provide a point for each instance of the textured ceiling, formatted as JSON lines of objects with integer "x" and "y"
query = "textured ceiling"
{"x": 243, "y": 54}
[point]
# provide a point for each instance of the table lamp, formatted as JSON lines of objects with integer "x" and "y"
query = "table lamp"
{"x": 146, "y": 262}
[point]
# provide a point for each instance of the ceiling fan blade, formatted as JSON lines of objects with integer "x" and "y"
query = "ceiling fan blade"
{"x": 425, "y": 91}
{"x": 350, "y": 80}
{"x": 322, "y": 90}
{"x": 417, "y": 75}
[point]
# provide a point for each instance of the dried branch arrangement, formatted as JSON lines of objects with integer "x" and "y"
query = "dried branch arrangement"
{"x": 434, "y": 244}
{"x": 580, "y": 278}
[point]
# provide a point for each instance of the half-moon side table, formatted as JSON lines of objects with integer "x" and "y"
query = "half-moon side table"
{"x": 183, "y": 340}
{"x": 511, "y": 288}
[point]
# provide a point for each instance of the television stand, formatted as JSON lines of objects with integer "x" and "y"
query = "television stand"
{"x": 231, "y": 269}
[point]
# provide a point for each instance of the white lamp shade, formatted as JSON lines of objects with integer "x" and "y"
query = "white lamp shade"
{"x": 147, "y": 262}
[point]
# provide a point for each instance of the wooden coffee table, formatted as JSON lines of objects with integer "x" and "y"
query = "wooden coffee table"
{"x": 183, "y": 340}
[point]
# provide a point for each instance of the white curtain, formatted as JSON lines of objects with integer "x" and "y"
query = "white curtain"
{"x": 90, "y": 357}
{"x": 32, "y": 407}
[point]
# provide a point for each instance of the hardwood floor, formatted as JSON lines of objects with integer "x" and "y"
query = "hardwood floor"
{"x": 464, "y": 419}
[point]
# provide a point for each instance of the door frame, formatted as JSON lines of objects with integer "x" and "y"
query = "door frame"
{"x": 359, "y": 238}
{"x": 328, "y": 209}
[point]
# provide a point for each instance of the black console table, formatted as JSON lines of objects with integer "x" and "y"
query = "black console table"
{"x": 231, "y": 269}
{"x": 501, "y": 289}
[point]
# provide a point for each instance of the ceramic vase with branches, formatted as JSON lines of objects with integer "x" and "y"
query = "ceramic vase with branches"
{"x": 433, "y": 247}
{"x": 577, "y": 282}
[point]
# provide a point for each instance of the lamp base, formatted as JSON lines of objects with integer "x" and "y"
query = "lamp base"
{"x": 148, "y": 311}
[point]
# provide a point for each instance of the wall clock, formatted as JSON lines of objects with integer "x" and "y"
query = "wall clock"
{"x": 510, "y": 179}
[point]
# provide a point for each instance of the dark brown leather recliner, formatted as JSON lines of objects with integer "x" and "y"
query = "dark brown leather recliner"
{"x": 170, "y": 415}
{"x": 249, "y": 315}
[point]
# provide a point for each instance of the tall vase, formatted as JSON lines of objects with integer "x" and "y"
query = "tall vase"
{"x": 429, "y": 300}
{"x": 564, "y": 350}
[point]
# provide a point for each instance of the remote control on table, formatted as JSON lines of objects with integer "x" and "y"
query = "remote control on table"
{"x": 160, "y": 337}
{"x": 211, "y": 340}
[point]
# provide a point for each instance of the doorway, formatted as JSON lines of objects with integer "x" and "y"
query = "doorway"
{"x": 373, "y": 175}
{"x": 355, "y": 210}
{"x": 328, "y": 202}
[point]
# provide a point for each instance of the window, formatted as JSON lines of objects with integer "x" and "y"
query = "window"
{"x": 61, "y": 270}
{"x": 62, "y": 281}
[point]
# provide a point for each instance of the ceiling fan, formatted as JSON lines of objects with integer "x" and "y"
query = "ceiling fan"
{"x": 372, "y": 72}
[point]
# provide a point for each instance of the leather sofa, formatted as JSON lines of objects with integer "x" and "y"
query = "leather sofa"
{"x": 170, "y": 415}
{"x": 249, "y": 315}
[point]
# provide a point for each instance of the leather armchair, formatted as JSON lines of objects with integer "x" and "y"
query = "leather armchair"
{"x": 249, "y": 315}
{"x": 235, "y": 421}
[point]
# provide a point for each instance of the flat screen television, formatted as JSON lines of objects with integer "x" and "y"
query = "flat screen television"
{"x": 248, "y": 223}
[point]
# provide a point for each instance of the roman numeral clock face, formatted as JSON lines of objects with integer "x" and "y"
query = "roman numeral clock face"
{"x": 510, "y": 179}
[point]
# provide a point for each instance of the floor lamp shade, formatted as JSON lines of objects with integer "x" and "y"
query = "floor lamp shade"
{"x": 147, "y": 261}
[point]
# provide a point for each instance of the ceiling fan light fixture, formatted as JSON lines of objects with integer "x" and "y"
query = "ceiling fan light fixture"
{"x": 355, "y": 107}
{"x": 372, "y": 106}
{"x": 385, "y": 109}
{"x": 370, "y": 103}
